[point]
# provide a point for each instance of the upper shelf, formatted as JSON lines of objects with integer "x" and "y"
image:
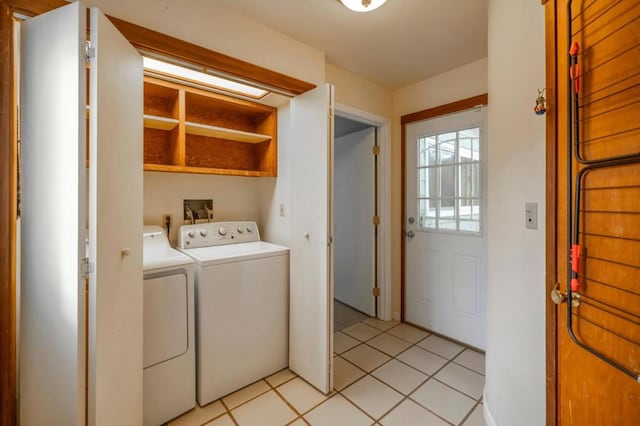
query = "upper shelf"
{"x": 225, "y": 133}
{"x": 159, "y": 123}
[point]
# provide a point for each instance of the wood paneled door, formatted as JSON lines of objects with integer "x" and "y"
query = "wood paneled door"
{"x": 593, "y": 187}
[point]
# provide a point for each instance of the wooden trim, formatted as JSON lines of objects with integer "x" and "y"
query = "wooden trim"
{"x": 450, "y": 108}
{"x": 551, "y": 312}
{"x": 8, "y": 194}
{"x": 438, "y": 111}
{"x": 146, "y": 39}
{"x": 154, "y": 41}
{"x": 403, "y": 214}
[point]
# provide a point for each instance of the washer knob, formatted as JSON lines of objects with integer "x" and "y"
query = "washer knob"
{"x": 249, "y": 230}
{"x": 191, "y": 233}
{"x": 203, "y": 232}
{"x": 240, "y": 230}
{"x": 222, "y": 230}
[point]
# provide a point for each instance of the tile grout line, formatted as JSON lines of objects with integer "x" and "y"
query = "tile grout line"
{"x": 429, "y": 377}
{"x": 404, "y": 397}
{"x": 470, "y": 413}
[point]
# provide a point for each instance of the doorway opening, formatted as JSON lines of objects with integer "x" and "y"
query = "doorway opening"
{"x": 360, "y": 287}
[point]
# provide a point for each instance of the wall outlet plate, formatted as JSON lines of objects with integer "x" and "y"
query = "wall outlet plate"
{"x": 197, "y": 211}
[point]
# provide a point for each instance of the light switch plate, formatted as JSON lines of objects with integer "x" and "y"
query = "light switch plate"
{"x": 531, "y": 215}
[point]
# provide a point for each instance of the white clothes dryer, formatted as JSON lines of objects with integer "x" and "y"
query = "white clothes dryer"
{"x": 168, "y": 329}
{"x": 242, "y": 305}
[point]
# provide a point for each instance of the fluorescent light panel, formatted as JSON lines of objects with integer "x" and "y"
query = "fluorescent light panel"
{"x": 201, "y": 78}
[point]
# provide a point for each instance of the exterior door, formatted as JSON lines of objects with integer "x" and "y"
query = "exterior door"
{"x": 596, "y": 371}
{"x": 354, "y": 195}
{"x": 56, "y": 381}
{"x": 311, "y": 270}
{"x": 445, "y": 242}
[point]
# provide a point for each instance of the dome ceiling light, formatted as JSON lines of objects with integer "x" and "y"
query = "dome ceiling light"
{"x": 362, "y": 5}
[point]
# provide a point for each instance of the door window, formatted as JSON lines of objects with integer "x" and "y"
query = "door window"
{"x": 449, "y": 181}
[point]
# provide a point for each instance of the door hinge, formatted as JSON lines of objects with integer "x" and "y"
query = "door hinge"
{"x": 86, "y": 267}
{"x": 329, "y": 240}
{"x": 376, "y": 220}
{"x": 376, "y": 291}
{"x": 18, "y": 127}
{"x": 89, "y": 52}
{"x": 376, "y": 149}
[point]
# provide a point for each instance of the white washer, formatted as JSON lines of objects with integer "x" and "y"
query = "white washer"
{"x": 242, "y": 305}
{"x": 168, "y": 329}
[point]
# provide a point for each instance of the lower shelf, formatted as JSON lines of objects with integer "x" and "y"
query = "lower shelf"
{"x": 205, "y": 170}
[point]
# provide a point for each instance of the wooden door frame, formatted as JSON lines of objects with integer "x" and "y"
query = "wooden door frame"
{"x": 551, "y": 219}
{"x": 140, "y": 37}
{"x": 8, "y": 210}
{"x": 426, "y": 114}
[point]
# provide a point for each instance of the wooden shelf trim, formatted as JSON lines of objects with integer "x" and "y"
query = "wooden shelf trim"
{"x": 225, "y": 133}
{"x": 205, "y": 170}
{"x": 160, "y": 123}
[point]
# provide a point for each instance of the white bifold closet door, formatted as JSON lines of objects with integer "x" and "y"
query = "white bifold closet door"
{"x": 56, "y": 301}
{"x": 311, "y": 279}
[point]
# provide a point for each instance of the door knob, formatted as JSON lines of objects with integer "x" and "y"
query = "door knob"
{"x": 559, "y": 297}
{"x": 411, "y": 234}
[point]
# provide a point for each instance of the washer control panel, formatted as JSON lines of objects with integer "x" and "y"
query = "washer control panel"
{"x": 217, "y": 234}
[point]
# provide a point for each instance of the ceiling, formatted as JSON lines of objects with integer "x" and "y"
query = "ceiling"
{"x": 402, "y": 42}
{"x": 345, "y": 126}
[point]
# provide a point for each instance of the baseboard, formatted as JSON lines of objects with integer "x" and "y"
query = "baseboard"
{"x": 487, "y": 412}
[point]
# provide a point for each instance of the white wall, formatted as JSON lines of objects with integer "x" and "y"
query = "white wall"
{"x": 515, "y": 363}
{"x": 354, "y": 203}
{"x": 360, "y": 93}
{"x": 272, "y": 192}
{"x": 461, "y": 83}
{"x": 234, "y": 197}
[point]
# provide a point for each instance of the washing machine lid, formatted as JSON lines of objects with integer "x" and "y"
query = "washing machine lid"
{"x": 157, "y": 252}
{"x": 206, "y": 256}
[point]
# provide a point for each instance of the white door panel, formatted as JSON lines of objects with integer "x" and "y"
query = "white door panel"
{"x": 445, "y": 270}
{"x": 311, "y": 280}
{"x": 52, "y": 312}
{"x": 115, "y": 228}
{"x": 354, "y": 199}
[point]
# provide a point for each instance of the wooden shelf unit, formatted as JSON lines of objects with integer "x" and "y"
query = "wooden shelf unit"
{"x": 189, "y": 130}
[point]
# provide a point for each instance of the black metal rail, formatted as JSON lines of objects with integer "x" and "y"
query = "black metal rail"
{"x": 573, "y": 216}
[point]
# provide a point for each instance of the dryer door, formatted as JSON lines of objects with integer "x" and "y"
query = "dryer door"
{"x": 165, "y": 317}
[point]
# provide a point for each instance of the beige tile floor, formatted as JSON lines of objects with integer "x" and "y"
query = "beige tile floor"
{"x": 385, "y": 373}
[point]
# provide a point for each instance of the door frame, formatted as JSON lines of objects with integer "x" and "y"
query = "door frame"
{"x": 426, "y": 114}
{"x": 8, "y": 213}
{"x": 551, "y": 200}
{"x": 383, "y": 128}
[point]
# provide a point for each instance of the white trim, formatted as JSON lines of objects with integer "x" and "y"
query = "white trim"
{"x": 384, "y": 200}
{"x": 488, "y": 418}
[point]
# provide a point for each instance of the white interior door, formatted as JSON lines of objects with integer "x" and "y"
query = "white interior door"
{"x": 115, "y": 228}
{"x": 445, "y": 262}
{"x": 311, "y": 279}
{"x": 52, "y": 313}
{"x": 354, "y": 237}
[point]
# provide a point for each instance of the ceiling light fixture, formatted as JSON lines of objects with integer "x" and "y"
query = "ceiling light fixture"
{"x": 362, "y": 5}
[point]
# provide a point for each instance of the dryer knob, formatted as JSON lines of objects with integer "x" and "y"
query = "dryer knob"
{"x": 240, "y": 230}
{"x": 191, "y": 233}
{"x": 203, "y": 232}
{"x": 222, "y": 231}
{"x": 249, "y": 230}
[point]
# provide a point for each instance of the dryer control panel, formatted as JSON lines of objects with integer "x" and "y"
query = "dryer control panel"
{"x": 217, "y": 234}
